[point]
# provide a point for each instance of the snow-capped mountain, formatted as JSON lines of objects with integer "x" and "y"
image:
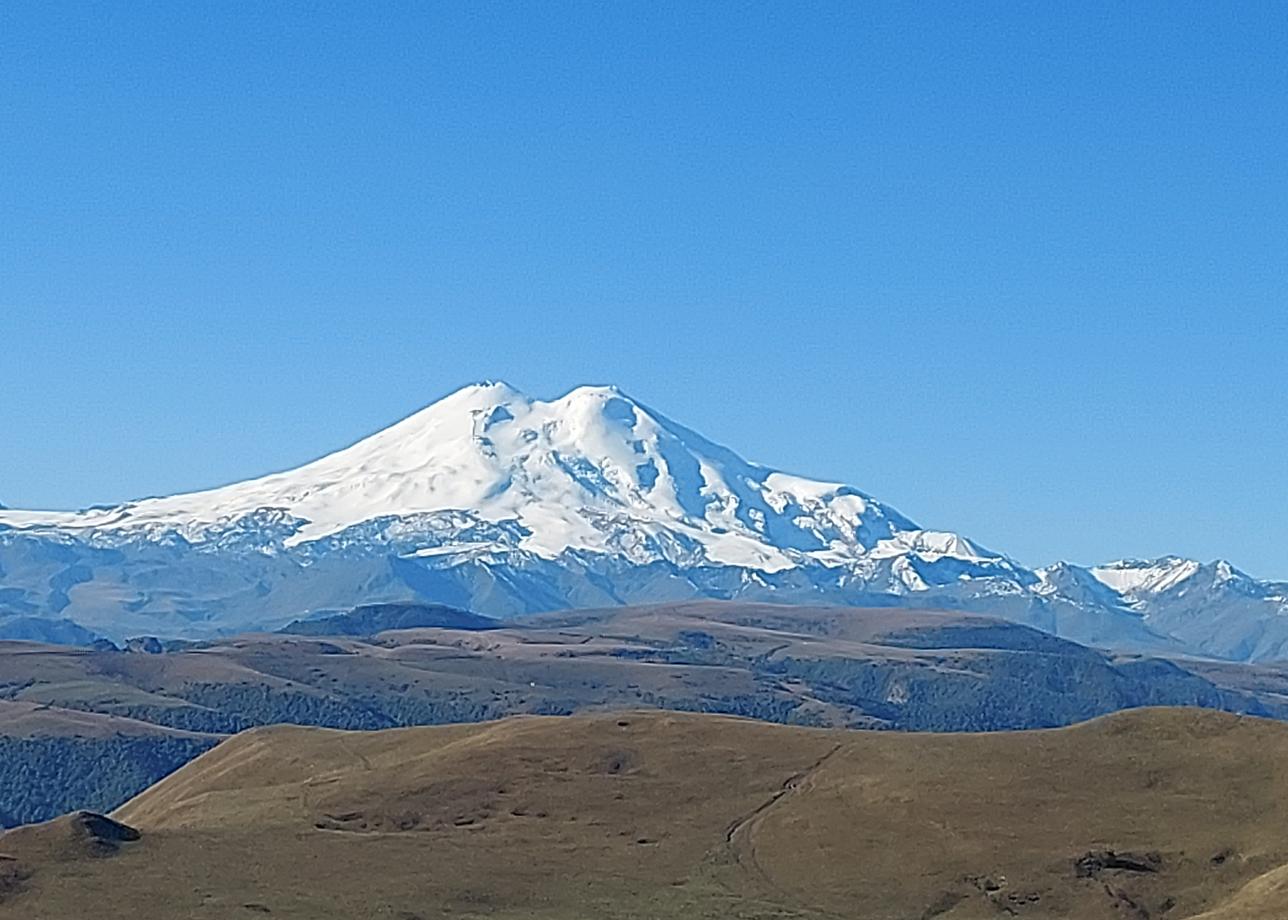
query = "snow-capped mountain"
{"x": 593, "y": 472}
{"x": 1136, "y": 580}
{"x": 493, "y": 500}
{"x": 1212, "y": 606}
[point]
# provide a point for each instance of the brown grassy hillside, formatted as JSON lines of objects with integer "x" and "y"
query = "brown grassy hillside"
{"x": 1153, "y": 813}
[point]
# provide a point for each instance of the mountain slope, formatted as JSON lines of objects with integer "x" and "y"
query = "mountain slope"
{"x": 490, "y": 500}
{"x": 1154, "y": 813}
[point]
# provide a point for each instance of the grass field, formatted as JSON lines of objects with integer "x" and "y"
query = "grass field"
{"x": 1148, "y": 814}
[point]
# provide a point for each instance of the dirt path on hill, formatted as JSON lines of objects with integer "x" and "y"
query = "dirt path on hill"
{"x": 740, "y": 838}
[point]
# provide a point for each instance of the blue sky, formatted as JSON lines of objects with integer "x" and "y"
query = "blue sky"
{"x": 1017, "y": 270}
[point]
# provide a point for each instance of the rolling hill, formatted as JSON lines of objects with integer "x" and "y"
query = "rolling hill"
{"x": 813, "y": 666}
{"x": 1153, "y": 813}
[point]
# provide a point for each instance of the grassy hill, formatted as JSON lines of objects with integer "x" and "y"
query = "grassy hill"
{"x": 1153, "y": 813}
{"x": 811, "y": 666}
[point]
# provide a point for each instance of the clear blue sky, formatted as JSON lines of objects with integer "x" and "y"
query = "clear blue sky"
{"x": 1017, "y": 269}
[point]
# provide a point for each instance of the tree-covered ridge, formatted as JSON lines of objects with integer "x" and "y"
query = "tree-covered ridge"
{"x": 41, "y": 778}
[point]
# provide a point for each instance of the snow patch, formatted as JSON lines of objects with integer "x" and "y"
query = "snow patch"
{"x": 1131, "y": 578}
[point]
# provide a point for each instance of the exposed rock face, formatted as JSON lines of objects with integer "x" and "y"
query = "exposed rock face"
{"x": 1093, "y": 863}
{"x": 79, "y": 834}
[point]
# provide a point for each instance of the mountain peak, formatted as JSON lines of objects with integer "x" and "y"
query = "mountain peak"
{"x": 591, "y": 471}
{"x": 595, "y": 391}
{"x": 1135, "y": 577}
{"x": 483, "y": 392}
{"x": 585, "y": 401}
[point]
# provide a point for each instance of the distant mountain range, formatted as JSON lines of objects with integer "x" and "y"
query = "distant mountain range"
{"x": 499, "y": 503}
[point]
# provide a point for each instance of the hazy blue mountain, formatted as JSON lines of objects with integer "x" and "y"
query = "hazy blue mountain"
{"x": 41, "y": 629}
{"x": 370, "y": 619}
